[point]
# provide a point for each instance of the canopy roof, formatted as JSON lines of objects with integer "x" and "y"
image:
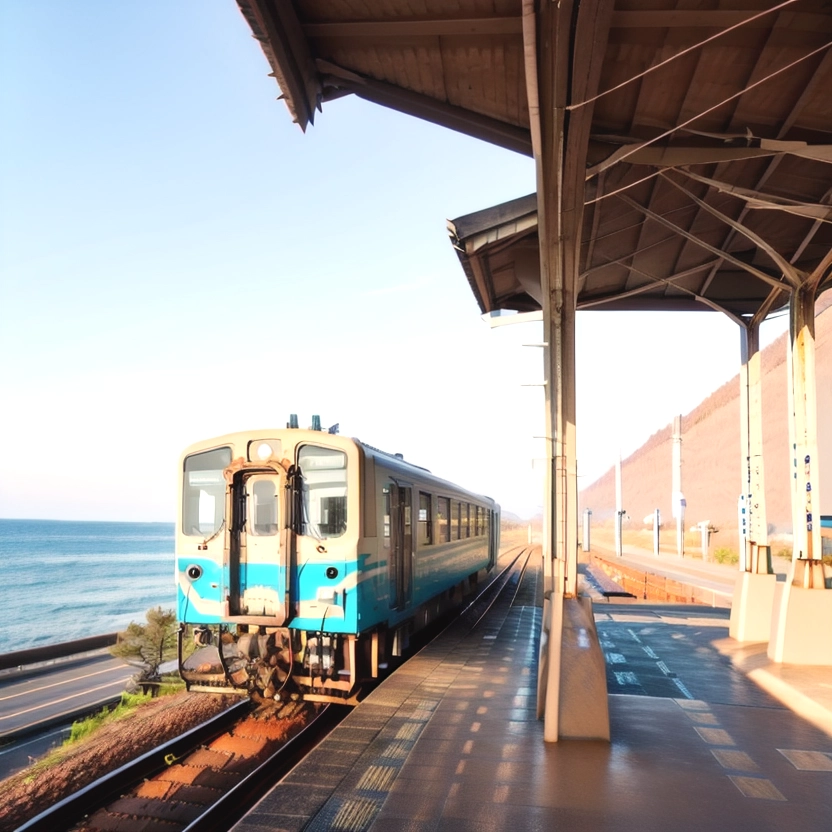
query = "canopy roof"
{"x": 707, "y": 133}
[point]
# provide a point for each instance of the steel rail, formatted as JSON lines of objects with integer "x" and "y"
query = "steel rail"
{"x": 71, "y": 809}
{"x": 236, "y": 802}
{"x": 492, "y": 592}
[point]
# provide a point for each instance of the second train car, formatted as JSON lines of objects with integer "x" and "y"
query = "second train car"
{"x": 306, "y": 560}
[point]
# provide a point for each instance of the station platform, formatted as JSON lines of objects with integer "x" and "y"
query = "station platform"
{"x": 451, "y": 741}
{"x": 716, "y": 579}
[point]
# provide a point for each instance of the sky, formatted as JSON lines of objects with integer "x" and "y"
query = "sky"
{"x": 178, "y": 260}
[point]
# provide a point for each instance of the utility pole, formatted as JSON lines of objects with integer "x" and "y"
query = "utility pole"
{"x": 678, "y": 498}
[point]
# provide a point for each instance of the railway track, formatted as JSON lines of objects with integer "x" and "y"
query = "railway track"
{"x": 201, "y": 781}
{"x": 208, "y": 778}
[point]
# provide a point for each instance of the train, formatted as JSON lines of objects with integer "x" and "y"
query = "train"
{"x": 306, "y": 561}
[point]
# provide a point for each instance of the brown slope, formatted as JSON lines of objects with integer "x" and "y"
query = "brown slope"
{"x": 711, "y": 452}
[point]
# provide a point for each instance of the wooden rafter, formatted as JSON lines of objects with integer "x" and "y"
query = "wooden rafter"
{"x": 788, "y": 270}
{"x": 652, "y": 281}
{"x": 764, "y": 276}
{"x": 415, "y": 28}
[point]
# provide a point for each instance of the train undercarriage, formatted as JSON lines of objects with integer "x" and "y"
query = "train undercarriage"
{"x": 282, "y": 663}
{"x": 279, "y": 663}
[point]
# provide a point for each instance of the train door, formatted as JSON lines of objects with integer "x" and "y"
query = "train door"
{"x": 257, "y": 564}
{"x": 401, "y": 554}
{"x": 493, "y": 537}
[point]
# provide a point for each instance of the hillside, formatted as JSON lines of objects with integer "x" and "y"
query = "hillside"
{"x": 711, "y": 463}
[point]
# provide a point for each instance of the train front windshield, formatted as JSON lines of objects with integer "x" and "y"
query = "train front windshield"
{"x": 203, "y": 497}
{"x": 324, "y": 492}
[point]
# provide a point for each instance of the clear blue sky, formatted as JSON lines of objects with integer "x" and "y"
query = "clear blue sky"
{"x": 178, "y": 260}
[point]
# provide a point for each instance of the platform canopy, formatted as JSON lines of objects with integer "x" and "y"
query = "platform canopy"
{"x": 705, "y": 133}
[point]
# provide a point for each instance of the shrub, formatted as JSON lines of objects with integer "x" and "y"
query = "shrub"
{"x": 724, "y": 555}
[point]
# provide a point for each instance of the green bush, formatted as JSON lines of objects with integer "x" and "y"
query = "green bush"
{"x": 724, "y": 555}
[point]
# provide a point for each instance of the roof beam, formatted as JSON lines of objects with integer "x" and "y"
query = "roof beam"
{"x": 790, "y": 273}
{"x": 378, "y": 29}
{"x": 442, "y": 27}
{"x": 713, "y": 19}
{"x": 430, "y": 109}
{"x": 758, "y": 273}
{"x": 788, "y": 122}
{"x": 667, "y": 281}
{"x": 760, "y": 200}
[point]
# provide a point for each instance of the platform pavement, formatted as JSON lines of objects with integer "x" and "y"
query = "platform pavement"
{"x": 672, "y": 565}
{"x": 452, "y": 743}
{"x": 806, "y": 689}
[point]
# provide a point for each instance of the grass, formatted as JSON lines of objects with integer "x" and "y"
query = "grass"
{"x": 83, "y": 728}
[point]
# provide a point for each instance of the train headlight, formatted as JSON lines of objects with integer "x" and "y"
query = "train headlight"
{"x": 264, "y": 450}
{"x": 331, "y": 572}
{"x": 194, "y": 572}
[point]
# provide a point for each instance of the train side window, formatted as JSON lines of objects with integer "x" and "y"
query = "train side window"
{"x": 454, "y": 519}
{"x": 385, "y": 513}
{"x": 443, "y": 516}
{"x": 425, "y": 533}
{"x": 203, "y": 492}
{"x": 324, "y": 476}
{"x": 464, "y": 520}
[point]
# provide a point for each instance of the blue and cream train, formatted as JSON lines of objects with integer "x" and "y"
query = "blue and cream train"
{"x": 306, "y": 560}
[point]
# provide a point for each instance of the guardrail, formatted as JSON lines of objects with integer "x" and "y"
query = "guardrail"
{"x": 51, "y": 652}
{"x": 649, "y": 586}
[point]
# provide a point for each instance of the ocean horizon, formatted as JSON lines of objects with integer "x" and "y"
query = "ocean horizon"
{"x": 69, "y": 579}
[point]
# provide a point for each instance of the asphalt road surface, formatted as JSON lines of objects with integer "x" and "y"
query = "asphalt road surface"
{"x": 35, "y": 703}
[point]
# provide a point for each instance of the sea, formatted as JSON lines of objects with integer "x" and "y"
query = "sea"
{"x": 64, "y": 580}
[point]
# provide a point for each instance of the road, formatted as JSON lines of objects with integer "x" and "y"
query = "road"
{"x": 33, "y": 702}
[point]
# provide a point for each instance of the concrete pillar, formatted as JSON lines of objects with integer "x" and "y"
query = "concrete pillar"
{"x": 751, "y": 608}
{"x": 803, "y": 605}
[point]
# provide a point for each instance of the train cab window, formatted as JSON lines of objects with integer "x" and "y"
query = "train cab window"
{"x": 425, "y": 528}
{"x": 264, "y": 510}
{"x": 324, "y": 478}
{"x": 443, "y": 516}
{"x": 454, "y": 519}
{"x": 203, "y": 492}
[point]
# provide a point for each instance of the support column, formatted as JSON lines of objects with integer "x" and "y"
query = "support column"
{"x": 572, "y": 695}
{"x": 803, "y": 605}
{"x": 751, "y": 609}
